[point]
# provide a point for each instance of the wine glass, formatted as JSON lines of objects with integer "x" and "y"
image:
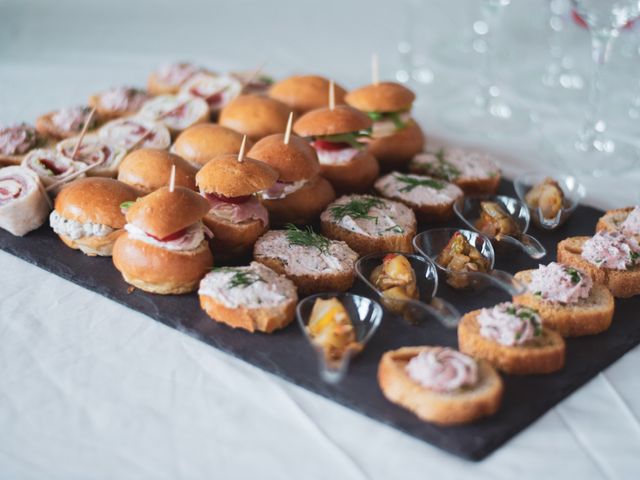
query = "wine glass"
{"x": 603, "y": 153}
{"x": 488, "y": 113}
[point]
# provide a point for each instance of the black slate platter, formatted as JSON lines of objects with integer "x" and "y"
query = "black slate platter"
{"x": 287, "y": 354}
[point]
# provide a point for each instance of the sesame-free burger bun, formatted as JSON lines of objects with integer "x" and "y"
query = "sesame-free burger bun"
{"x": 162, "y": 212}
{"x": 324, "y": 121}
{"x": 94, "y": 200}
{"x": 200, "y": 143}
{"x": 148, "y": 169}
{"x": 383, "y": 97}
{"x": 158, "y": 270}
{"x": 255, "y": 115}
{"x": 303, "y": 93}
{"x": 302, "y": 206}
{"x": 226, "y": 176}
{"x": 396, "y": 151}
{"x": 294, "y": 161}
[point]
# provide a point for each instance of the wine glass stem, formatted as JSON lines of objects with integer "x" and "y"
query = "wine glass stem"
{"x": 592, "y": 135}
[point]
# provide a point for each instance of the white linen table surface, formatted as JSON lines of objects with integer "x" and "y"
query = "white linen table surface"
{"x": 91, "y": 389}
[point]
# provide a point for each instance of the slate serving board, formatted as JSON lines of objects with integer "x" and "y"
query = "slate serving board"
{"x": 287, "y": 354}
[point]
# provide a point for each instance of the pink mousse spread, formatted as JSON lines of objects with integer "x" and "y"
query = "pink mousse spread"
{"x": 72, "y": 119}
{"x": 250, "y": 209}
{"x": 560, "y": 283}
{"x": 17, "y": 139}
{"x": 443, "y": 369}
{"x": 123, "y": 99}
{"x": 175, "y": 74}
{"x": 631, "y": 224}
{"x": 509, "y": 324}
{"x": 611, "y": 250}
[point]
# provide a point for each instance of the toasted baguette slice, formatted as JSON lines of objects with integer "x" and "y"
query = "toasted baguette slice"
{"x": 232, "y": 240}
{"x": 545, "y": 355}
{"x": 261, "y": 319}
{"x": 612, "y": 219}
{"x": 621, "y": 283}
{"x": 275, "y": 251}
{"x": 442, "y": 408}
{"x": 587, "y": 317}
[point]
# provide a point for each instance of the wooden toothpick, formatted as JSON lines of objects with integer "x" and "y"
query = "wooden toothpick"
{"x": 242, "y": 146}
{"x": 332, "y": 95}
{"x": 287, "y": 133}
{"x": 375, "y": 69}
{"x": 85, "y": 127}
{"x": 172, "y": 179}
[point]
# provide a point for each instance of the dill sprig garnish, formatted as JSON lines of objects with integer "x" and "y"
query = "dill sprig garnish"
{"x": 356, "y": 208}
{"x": 412, "y": 182}
{"x": 574, "y": 274}
{"x": 441, "y": 168}
{"x": 240, "y": 278}
{"x": 307, "y": 238}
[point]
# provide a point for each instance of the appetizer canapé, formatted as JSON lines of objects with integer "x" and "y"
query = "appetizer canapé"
{"x": 331, "y": 329}
{"x": 458, "y": 257}
{"x": 303, "y": 93}
{"x": 496, "y": 222}
{"x": 24, "y": 205}
{"x": 547, "y": 196}
{"x": 395, "y": 279}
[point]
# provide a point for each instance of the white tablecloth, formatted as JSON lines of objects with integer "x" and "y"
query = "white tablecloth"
{"x": 90, "y": 389}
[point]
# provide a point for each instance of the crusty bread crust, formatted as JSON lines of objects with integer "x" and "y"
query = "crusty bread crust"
{"x": 226, "y": 176}
{"x": 104, "y": 114}
{"x": 364, "y": 244}
{"x": 252, "y": 319}
{"x": 544, "y": 357}
{"x": 396, "y": 151}
{"x": 94, "y": 246}
{"x": 156, "y": 270}
{"x": 46, "y": 128}
{"x": 621, "y": 283}
{"x": 147, "y": 169}
{"x": 479, "y": 186}
{"x": 303, "y": 93}
{"x": 294, "y": 161}
{"x": 442, "y": 408}
{"x": 355, "y": 176}
{"x": 439, "y": 212}
{"x": 255, "y": 115}
{"x": 381, "y": 97}
{"x": 163, "y": 213}
{"x": 232, "y": 240}
{"x": 302, "y": 206}
{"x": 612, "y": 219}
{"x": 588, "y": 317}
{"x": 200, "y": 143}
{"x": 94, "y": 200}
{"x": 308, "y": 284}
{"x": 324, "y": 121}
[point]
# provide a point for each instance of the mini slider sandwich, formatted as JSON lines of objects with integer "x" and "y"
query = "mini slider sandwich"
{"x": 149, "y": 169}
{"x": 200, "y": 143}
{"x": 300, "y": 193}
{"x": 303, "y": 93}
{"x": 16, "y": 141}
{"x": 164, "y": 249}
{"x": 175, "y": 113}
{"x": 24, "y": 204}
{"x": 395, "y": 136}
{"x": 169, "y": 77}
{"x": 66, "y": 122}
{"x": 255, "y": 116}
{"x": 87, "y": 214}
{"x": 230, "y": 183}
{"x": 118, "y": 102}
{"x": 335, "y": 135}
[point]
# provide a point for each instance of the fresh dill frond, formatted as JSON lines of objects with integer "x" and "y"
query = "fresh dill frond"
{"x": 412, "y": 182}
{"x": 356, "y": 208}
{"x": 307, "y": 238}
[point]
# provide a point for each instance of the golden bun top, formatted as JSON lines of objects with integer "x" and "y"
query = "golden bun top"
{"x": 94, "y": 200}
{"x": 226, "y": 176}
{"x": 324, "y": 121}
{"x": 294, "y": 162}
{"x": 381, "y": 97}
{"x": 303, "y": 93}
{"x": 202, "y": 142}
{"x": 255, "y": 115}
{"x": 148, "y": 169}
{"x": 163, "y": 213}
